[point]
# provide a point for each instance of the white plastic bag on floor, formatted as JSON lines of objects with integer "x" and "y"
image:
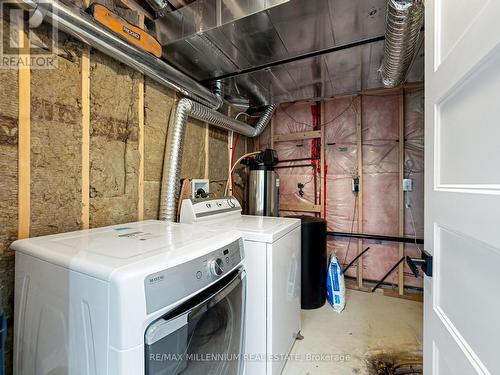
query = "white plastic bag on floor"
{"x": 335, "y": 286}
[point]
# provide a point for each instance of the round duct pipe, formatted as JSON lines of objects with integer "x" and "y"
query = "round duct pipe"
{"x": 186, "y": 108}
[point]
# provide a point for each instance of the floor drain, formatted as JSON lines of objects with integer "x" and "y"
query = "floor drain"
{"x": 395, "y": 364}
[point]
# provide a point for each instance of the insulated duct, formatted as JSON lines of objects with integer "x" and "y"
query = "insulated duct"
{"x": 83, "y": 27}
{"x": 175, "y": 141}
{"x": 403, "y": 23}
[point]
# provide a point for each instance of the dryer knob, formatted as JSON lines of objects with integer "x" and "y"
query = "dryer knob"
{"x": 216, "y": 266}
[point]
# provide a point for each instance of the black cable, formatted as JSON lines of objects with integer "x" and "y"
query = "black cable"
{"x": 352, "y": 229}
{"x": 323, "y": 124}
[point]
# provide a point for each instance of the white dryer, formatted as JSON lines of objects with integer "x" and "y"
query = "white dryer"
{"x": 272, "y": 262}
{"x": 141, "y": 298}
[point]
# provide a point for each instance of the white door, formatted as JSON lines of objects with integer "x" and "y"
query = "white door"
{"x": 462, "y": 230}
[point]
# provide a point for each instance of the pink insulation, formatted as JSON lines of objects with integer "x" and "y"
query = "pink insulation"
{"x": 293, "y": 118}
{"x": 380, "y": 134}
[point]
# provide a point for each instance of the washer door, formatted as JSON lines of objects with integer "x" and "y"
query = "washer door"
{"x": 203, "y": 336}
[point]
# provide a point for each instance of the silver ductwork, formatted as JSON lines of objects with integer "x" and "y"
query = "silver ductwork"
{"x": 161, "y": 7}
{"x": 403, "y": 23}
{"x": 175, "y": 141}
{"x": 82, "y": 26}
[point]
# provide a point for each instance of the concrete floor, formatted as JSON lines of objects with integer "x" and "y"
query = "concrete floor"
{"x": 373, "y": 328}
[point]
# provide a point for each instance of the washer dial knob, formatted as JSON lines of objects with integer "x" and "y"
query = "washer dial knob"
{"x": 216, "y": 266}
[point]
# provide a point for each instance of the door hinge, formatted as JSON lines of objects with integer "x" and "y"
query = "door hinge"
{"x": 425, "y": 264}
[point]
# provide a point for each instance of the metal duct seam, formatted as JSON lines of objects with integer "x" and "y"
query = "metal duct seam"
{"x": 83, "y": 27}
{"x": 186, "y": 108}
{"x": 404, "y": 21}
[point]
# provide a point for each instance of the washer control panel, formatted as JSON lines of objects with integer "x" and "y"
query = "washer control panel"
{"x": 193, "y": 210}
{"x": 168, "y": 286}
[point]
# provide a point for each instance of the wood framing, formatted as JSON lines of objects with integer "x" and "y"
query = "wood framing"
{"x": 133, "y": 5}
{"x": 322, "y": 184}
{"x": 359, "y": 144}
{"x": 401, "y": 197}
{"x": 273, "y": 137}
{"x": 24, "y": 137}
{"x": 300, "y": 207}
{"x": 381, "y": 91}
{"x": 294, "y": 136}
{"x": 140, "y": 139}
{"x": 230, "y": 138}
{"x": 85, "y": 77}
{"x": 207, "y": 151}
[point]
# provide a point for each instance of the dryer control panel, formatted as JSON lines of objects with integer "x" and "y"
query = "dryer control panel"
{"x": 195, "y": 210}
{"x": 171, "y": 285}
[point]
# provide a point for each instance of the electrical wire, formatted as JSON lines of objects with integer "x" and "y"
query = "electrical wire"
{"x": 352, "y": 229}
{"x": 323, "y": 124}
{"x": 413, "y": 225}
{"x": 235, "y": 164}
{"x": 244, "y": 113}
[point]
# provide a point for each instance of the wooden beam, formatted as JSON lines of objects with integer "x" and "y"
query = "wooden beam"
{"x": 207, "y": 151}
{"x": 24, "y": 136}
{"x": 132, "y": 5}
{"x": 230, "y": 136}
{"x": 295, "y": 136}
{"x": 381, "y": 91}
{"x": 85, "y": 77}
{"x": 359, "y": 145}
{"x": 272, "y": 132}
{"x": 322, "y": 184}
{"x": 401, "y": 197}
{"x": 140, "y": 139}
{"x": 300, "y": 207}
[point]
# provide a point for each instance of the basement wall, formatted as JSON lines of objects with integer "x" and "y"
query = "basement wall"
{"x": 379, "y": 117}
{"x": 120, "y": 188}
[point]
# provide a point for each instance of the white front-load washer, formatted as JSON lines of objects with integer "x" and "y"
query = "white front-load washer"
{"x": 272, "y": 262}
{"x": 142, "y": 298}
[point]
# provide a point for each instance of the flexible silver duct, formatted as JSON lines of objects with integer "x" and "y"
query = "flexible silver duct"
{"x": 161, "y": 7}
{"x": 403, "y": 23}
{"x": 175, "y": 141}
{"x": 82, "y": 26}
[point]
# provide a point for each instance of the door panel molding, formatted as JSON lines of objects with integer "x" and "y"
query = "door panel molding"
{"x": 466, "y": 275}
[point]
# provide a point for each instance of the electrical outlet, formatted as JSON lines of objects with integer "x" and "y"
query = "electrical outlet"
{"x": 407, "y": 184}
{"x": 200, "y": 183}
{"x": 355, "y": 184}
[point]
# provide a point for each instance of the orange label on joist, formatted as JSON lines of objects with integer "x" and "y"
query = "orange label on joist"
{"x": 126, "y": 30}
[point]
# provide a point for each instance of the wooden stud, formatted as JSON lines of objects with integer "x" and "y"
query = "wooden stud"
{"x": 300, "y": 207}
{"x": 322, "y": 164}
{"x": 273, "y": 137}
{"x": 230, "y": 137}
{"x": 359, "y": 137}
{"x": 85, "y": 77}
{"x": 140, "y": 140}
{"x": 24, "y": 137}
{"x": 207, "y": 151}
{"x": 295, "y": 136}
{"x": 401, "y": 160}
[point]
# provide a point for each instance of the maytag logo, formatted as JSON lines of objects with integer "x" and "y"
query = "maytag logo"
{"x": 156, "y": 279}
{"x": 132, "y": 33}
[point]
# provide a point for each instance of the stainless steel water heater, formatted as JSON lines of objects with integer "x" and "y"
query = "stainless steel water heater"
{"x": 264, "y": 183}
